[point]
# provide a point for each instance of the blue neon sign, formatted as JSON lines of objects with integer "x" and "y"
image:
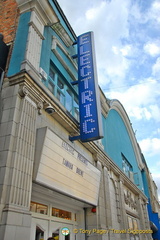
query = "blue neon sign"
{"x": 89, "y": 100}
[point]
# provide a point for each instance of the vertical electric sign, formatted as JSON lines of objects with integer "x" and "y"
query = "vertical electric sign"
{"x": 89, "y": 99}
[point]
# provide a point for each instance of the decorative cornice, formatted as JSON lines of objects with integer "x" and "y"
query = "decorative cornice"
{"x": 104, "y": 104}
{"x": 42, "y": 7}
{"x": 61, "y": 32}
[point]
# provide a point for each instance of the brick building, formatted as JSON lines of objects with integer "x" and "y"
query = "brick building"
{"x": 9, "y": 13}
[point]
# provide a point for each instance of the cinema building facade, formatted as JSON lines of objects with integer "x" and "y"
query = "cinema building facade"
{"x": 53, "y": 184}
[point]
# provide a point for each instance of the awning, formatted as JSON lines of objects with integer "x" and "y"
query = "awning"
{"x": 153, "y": 227}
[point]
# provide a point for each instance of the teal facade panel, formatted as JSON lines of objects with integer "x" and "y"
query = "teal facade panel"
{"x": 145, "y": 183}
{"x": 19, "y": 48}
{"x": 117, "y": 142}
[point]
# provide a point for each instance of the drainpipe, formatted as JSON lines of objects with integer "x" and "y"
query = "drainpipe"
{"x": 85, "y": 221}
{"x": 1, "y": 78}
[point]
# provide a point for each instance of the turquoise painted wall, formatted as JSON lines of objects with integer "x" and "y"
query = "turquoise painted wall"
{"x": 116, "y": 141}
{"x": 145, "y": 183}
{"x": 19, "y": 48}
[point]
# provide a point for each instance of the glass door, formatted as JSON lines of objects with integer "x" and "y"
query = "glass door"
{"x": 61, "y": 231}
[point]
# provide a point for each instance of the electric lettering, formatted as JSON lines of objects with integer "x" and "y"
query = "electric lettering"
{"x": 89, "y": 117}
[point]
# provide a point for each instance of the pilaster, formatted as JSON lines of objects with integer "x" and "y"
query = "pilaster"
{"x": 123, "y": 223}
{"x": 144, "y": 223}
{"x": 19, "y": 113}
{"x": 34, "y": 44}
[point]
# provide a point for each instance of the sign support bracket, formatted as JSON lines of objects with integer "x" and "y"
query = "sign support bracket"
{"x": 74, "y": 138}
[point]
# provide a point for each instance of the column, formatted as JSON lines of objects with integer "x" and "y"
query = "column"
{"x": 34, "y": 45}
{"x": 18, "y": 164}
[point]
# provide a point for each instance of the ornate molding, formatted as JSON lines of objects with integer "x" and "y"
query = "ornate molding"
{"x": 40, "y": 107}
{"x": 37, "y": 30}
{"x": 129, "y": 200}
{"x": 23, "y": 91}
{"x": 43, "y": 8}
{"x": 27, "y": 87}
{"x": 59, "y": 29}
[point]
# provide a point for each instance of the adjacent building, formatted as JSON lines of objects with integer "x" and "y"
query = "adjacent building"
{"x": 150, "y": 190}
{"x": 50, "y": 185}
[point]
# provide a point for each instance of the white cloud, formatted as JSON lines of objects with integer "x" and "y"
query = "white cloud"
{"x": 124, "y": 51}
{"x": 157, "y": 131}
{"x": 137, "y": 95}
{"x": 114, "y": 26}
{"x": 156, "y": 68}
{"x": 139, "y": 100}
{"x": 152, "y": 48}
{"x": 148, "y": 113}
{"x": 140, "y": 113}
{"x": 95, "y": 12}
{"x": 155, "y": 10}
{"x": 155, "y": 112}
{"x": 150, "y": 146}
{"x": 156, "y": 178}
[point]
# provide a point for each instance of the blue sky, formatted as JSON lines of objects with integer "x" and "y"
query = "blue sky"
{"x": 127, "y": 42}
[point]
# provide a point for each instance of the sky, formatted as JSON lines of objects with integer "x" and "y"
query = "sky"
{"x": 127, "y": 45}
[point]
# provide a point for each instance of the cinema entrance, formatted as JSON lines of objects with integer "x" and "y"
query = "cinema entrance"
{"x": 43, "y": 229}
{"x": 55, "y": 215}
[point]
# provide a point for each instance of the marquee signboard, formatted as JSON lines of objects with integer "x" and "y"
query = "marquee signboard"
{"x": 89, "y": 100}
{"x": 59, "y": 166}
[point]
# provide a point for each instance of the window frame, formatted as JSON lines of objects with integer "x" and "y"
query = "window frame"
{"x": 126, "y": 166}
{"x": 61, "y": 93}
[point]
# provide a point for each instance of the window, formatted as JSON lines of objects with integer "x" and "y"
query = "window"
{"x": 38, "y": 208}
{"x": 60, "y": 91}
{"x": 127, "y": 167}
{"x": 51, "y": 81}
{"x": 76, "y": 109}
{"x": 61, "y": 213}
{"x": 51, "y": 74}
{"x": 68, "y": 101}
{"x": 60, "y": 84}
{"x": 64, "y": 92}
{"x": 51, "y": 87}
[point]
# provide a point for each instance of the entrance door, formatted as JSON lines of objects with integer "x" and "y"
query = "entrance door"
{"x": 39, "y": 229}
{"x": 61, "y": 231}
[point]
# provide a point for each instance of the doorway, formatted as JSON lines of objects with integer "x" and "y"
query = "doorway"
{"x": 43, "y": 229}
{"x": 61, "y": 231}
